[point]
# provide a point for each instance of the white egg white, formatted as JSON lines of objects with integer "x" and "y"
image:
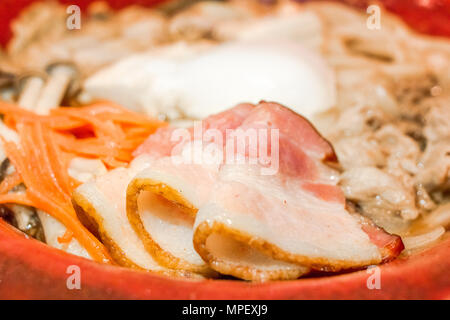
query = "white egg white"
{"x": 193, "y": 82}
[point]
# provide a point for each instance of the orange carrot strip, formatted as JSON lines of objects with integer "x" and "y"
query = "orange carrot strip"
{"x": 18, "y": 198}
{"x": 103, "y": 130}
{"x": 10, "y": 182}
{"x": 66, "y": 238}
{"x": 61, "y": 211}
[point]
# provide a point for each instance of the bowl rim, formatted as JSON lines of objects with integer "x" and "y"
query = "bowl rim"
{"x": 30, "y": 269}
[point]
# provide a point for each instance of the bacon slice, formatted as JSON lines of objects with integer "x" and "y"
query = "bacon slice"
{"x": 100, "y": 205}
{"x": 297, "y": 215}
{"x": 160, "y": 144}
{"x": 273, "y": 212}
{"x": 162, "y": 201}
{"x": 390, "y": 246}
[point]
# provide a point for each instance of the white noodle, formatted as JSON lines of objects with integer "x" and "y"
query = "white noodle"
{"x": 415, "y": 242}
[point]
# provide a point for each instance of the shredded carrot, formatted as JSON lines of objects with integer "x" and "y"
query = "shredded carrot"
{"x": 10, "y": 182}
{"x": 18, "y": 198}
{"x": 66, "y": 238}
{"x": 103, "y": 131}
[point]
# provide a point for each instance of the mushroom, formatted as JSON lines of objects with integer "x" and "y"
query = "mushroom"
{"x": 61, "y": 80}
{"x": 27, "y": 220}
{"x": 7, "y": 86}
{"x": 29, "y": 89}
{"x": 22, "y": 217}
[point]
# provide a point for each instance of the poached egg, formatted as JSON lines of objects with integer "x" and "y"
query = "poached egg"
{"x": 195, "y": 81}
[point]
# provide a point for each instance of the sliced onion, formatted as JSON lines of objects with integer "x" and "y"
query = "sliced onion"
{"x": 439, "y": 216}
{"x": 424, "y": 239}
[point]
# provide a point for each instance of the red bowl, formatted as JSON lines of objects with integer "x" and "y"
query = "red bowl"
{"x": 31, "y": 270}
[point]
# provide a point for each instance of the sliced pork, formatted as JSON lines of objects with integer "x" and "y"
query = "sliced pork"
{"x": 159, "y": 238}
{"x": 162, "y": 200}
{"x": 250, "y": 192}
{"x": 296, "y": 215}
{"x": 270, "y": 210}
{"x": 164, "y": 141}
{"x": 100, "y": 205}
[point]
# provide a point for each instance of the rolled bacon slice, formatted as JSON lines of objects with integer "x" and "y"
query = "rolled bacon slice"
{"x": 163, "y": 143}
{"x": 259, "y": 218}
{"x": 162, "y": 203}
{"x": 100, "y": 205}
{"x": 162, "y": 200}
{"x": 296, "y": 215}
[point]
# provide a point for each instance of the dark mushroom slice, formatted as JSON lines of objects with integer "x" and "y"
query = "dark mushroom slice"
{"x": 27, "y": 221}
{"x": 22, "y": 217}
{"x": 7, "y": 86}
{"x": 6, "y": 78}
{"x": 7, "y": 215}
{"x": 4, "y": 167}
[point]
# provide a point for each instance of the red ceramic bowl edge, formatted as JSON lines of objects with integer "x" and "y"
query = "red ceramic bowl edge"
{"x": 32, "y": 270}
